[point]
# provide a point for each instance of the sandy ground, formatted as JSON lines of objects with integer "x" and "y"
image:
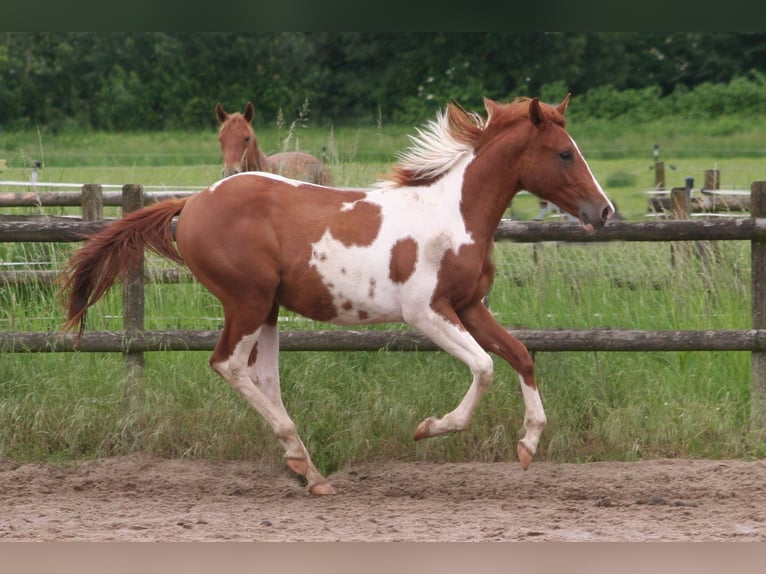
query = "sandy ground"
{"x": 137, "y": 498}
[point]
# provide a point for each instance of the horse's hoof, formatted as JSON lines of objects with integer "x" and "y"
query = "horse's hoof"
{"x": 525, "y": 455}
{"x": 297, "y": 465}
{"x": 424, "y": 429}
{"x": 321, "y": 489}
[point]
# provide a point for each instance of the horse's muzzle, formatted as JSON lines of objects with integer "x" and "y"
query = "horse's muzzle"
{"x": 596, "y": 217}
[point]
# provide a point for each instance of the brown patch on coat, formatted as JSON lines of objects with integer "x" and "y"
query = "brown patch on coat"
{"x": 357, "y": 226}
{"x": 464, "y": 277}
{"x": 253, "y": 355}
{"x": 404, "y": 256}
{"x": 276, "y": 223}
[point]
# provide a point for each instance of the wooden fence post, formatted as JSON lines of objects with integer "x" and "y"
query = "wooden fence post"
{"x": 92, "y": 202}
{"x": 680, "y": 207}
{"x": 659, "y": 175}
{"x": 680, "y": 202}
{"x": 758, "y": 294}
{"x": 133, "y": 299}
{"x": 712, "y": 179}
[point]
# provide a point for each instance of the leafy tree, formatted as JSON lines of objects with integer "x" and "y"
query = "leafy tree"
{"x": 161, "y": 80}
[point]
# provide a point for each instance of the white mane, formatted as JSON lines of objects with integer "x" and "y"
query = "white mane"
{"x": 434, "y": 150}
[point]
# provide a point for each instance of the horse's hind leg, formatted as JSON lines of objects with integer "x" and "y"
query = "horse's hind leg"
{"x": 493, "y": 337}
{"x": 263, "y": 371}
{"x": 258, "y": 383}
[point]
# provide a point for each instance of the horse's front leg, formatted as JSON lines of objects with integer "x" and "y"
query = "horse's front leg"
{"x": 493, "y": 337}
{"x": 445, "y": 330}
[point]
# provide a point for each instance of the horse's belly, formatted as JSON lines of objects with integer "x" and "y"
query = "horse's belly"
{"x": 362, "y": 313}
{"x": 366, "y": 302}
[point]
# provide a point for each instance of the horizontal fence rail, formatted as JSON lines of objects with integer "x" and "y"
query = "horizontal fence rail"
{"x": 747, "y": 229}
{"x": 668, "y": 230}
{"x": 541, "y": 340}
{"x": 49, "y": 276}
{"x": 72, "y": 198}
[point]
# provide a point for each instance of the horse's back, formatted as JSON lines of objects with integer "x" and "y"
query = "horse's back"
{"x": 250, "y": 207}
{"x": 301, "y": 166}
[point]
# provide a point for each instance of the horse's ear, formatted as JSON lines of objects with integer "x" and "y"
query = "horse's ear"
{"x": 562, "y": 107}
{"x": 490, "y": 106}
{"x": 220, "y": 113}
{"x": 535, "y": 113}
{"x": 249, "y": 111}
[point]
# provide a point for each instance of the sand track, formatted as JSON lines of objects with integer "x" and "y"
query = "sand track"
{"x": 136, "y": 497}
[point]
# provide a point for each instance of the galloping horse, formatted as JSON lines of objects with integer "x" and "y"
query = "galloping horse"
{"x": 415, "y": 248}
{"x": 240, "y": 151}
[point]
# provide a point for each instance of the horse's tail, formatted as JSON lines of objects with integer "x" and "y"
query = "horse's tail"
{"x": 114, "y": 253}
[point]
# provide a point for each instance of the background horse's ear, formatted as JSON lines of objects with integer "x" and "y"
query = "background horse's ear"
{"x": 249, "y": 111}
{"x": 220, "y": 113}
{"x": 535, "y": 113}
{"x": 562, "y": 107}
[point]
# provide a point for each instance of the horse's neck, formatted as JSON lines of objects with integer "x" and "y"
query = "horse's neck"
{"x": 485, "y": 198}
{"x": 480, "y": 195}
{"x": 256, "y": 159}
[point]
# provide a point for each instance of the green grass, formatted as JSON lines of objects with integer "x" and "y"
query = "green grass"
{"x": 363, "y": 406}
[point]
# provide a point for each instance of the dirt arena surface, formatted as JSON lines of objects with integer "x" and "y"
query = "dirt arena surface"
{"x": 138, "y": 498}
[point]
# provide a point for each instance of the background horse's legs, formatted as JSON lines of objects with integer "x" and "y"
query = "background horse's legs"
{"x": 493, "y": 336}
{"x": 461, "y": 345}
{"x": 259, "y": 385}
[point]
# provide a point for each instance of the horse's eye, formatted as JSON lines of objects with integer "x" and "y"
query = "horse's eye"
{"x": 566, "y": 155}
{"x": 247, "y": 139}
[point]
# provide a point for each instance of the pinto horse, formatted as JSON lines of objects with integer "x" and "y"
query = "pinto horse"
{"x": 415, "y": 248}
{"x": 240, "y": 151}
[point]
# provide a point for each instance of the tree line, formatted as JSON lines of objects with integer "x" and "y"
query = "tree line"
{"x": 172, "y": 80}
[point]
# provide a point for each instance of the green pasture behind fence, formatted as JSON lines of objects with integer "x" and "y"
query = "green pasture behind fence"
{"x": 353, "y": 406}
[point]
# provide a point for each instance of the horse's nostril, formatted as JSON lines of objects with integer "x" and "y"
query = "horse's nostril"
{"x": 606, "y": 213}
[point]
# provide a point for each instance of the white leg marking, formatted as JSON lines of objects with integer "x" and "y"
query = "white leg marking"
{"x": 265, "y": 371}
{"x": 534, "y": 417}
{"x": 259, "y": 385}
{"x": 463, "y": 346}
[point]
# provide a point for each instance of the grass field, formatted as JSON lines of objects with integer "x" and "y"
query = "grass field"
{"x": 362, "y": 406}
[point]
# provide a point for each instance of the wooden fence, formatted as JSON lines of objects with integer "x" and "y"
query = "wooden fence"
{"x": 133, "y": 340}
{"x": 708, "y": 200}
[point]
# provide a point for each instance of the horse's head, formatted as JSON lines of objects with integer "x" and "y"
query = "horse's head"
{"x": 238, "y": 144}
{"x": 552, "y": 167}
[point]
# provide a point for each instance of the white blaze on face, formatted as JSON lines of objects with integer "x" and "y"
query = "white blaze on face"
{"x": 429, "y": 215}
{"x": 593, "y": 177}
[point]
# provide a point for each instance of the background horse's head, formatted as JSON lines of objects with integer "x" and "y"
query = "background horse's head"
{"x": 239, "y": 147}
{"x": 240, "y": 151}
{"x": 550, "y": 165}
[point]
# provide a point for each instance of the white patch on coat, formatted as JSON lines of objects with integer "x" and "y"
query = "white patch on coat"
{"x": 430, "y": 215}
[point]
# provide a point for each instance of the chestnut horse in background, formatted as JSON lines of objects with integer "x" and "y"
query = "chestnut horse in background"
{"x": 415, "y": 248}
{"x": 240, "y": 151}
